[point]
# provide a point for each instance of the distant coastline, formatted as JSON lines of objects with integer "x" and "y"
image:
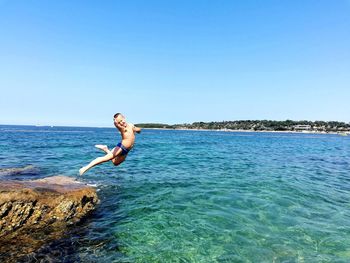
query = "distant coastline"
{"x": 288, "y": 126}
{"x": 249, "y": 131}
{"x": 319, "y": 127}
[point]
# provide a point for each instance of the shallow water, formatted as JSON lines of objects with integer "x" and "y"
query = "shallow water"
{"x": 195, "y": 196}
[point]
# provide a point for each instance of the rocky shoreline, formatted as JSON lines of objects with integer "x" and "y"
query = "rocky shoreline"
{"x": 36, "y": 212}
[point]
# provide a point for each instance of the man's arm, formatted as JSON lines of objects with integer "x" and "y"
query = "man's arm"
{"x": 136, "y": 129}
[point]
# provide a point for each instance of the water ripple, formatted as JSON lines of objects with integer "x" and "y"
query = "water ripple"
{"x": 187, "y": 196}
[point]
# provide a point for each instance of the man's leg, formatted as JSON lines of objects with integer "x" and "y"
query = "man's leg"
{"x": 103, "y": 148}
{"x": 109, "y": 156}
{"x": 117, "y": 160}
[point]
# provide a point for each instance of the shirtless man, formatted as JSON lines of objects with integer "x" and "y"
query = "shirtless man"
{"x": 118, "y": 154}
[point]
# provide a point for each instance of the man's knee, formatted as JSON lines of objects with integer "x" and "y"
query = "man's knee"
{"x": 116, "y": 163}
{"x": 118, "y": 160}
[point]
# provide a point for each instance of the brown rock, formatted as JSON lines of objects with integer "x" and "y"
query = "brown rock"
{"x": 33, "y": 213}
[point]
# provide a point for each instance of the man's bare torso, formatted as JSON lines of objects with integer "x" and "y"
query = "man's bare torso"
{"x": 128, "y": 136}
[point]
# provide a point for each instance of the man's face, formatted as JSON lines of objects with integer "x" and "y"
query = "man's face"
{"x": 120, "y": 120}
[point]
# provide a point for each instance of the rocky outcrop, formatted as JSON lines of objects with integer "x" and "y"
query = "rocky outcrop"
{"x": 33, "y": 213}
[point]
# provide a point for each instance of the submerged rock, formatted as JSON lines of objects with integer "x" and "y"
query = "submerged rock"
{"x": 35, "y": 212}
{"x": 29, "y": 169}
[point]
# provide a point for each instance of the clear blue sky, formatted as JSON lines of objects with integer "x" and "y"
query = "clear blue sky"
{"x": 79, "y": 62}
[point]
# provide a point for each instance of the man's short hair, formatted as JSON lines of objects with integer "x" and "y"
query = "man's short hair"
{"x": 116, "y": 115}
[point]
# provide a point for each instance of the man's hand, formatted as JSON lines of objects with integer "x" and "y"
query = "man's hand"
{"x": 136, "y": 129}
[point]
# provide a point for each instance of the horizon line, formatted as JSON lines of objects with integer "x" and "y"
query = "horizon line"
{"x": 79, "y": 126}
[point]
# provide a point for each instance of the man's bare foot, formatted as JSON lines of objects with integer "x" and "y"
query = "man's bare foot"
{"x": 102, "y": 147}
{"x": 82, "y": 170}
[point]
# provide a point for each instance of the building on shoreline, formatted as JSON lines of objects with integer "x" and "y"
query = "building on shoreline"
{"x": 302, "y": 127}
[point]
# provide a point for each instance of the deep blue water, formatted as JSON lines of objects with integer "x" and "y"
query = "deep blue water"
{"x": 198, "y": 196}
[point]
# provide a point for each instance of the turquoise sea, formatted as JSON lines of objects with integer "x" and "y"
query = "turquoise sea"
{"x": 197, "y": 196}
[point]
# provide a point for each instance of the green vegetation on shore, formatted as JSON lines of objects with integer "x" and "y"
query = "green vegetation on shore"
{"x": 258, "y": 125}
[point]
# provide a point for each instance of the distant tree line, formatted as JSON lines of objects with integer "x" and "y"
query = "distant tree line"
{"x": 259, "y": 125}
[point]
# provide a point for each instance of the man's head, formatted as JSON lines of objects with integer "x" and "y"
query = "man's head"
{"x": 119, "y": 119}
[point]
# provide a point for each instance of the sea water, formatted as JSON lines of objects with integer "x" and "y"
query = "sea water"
{"x": 197, "y": 196}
